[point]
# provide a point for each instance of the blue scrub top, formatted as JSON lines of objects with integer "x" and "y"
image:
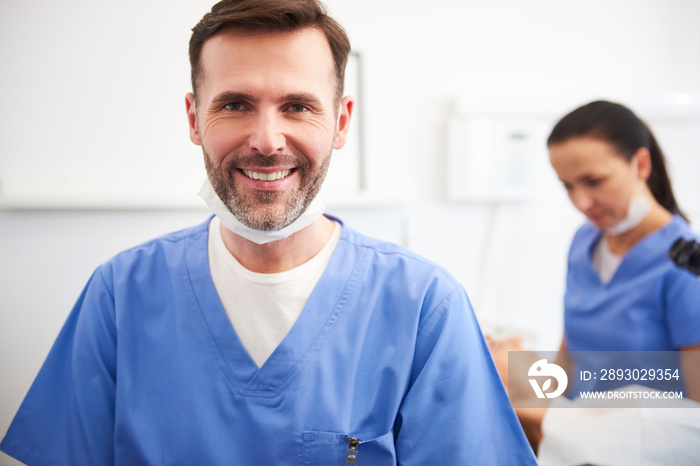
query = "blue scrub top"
{"x": 149, "y": 371}
{"x": 650, "y": 304}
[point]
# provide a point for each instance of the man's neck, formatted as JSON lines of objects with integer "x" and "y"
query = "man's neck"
{"x": 279, "y": 256}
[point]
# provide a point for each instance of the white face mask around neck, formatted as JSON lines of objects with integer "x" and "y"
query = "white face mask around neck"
{"x": 309, "y": 216}
{"x": 637, "y": 209}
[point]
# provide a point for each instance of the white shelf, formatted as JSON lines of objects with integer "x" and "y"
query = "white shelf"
{"x": 78, "y": 193}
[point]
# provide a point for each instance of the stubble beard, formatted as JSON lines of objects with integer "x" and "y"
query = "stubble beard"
{"x": 267, "y": 210}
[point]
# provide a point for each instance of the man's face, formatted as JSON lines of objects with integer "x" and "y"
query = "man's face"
{"x": 267, "y": 121}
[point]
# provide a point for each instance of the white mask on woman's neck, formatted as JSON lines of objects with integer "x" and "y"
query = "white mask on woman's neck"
{"x": 637, "y": 209}
{"x": 312, "y": 212}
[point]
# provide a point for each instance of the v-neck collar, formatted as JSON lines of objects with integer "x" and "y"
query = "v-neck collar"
{"x": 641, "y": 253}
{"x": 300, "y": 345}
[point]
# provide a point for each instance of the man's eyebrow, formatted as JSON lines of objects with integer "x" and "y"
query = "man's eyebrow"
{"x": 304, "y": 97}
{"x": 301, "y": 97}
{"x": 228, "y": 97}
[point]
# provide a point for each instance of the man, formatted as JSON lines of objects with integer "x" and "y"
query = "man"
{"x": 272, "y": 334}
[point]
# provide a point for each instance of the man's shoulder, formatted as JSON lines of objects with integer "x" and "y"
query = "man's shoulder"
{"x": 360, "y": 240}
{"x": 159, "y": 247}
{"x": 392, "y": 255}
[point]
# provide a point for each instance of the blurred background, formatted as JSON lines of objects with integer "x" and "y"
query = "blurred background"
{"x": 448, "y": 157}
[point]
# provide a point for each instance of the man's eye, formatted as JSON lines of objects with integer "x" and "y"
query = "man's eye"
{"x": 594, "y": 182}
{"x": 298, "y": 108}
{"x": 234, "y": 106}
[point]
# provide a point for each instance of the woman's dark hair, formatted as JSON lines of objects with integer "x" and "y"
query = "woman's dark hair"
{"x": 620, "y": 127}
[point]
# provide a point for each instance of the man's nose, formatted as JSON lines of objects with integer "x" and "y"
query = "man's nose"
{"x": 267, "y": 135}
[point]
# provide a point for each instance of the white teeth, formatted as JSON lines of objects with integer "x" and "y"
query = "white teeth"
{"x": 267, "y": 176}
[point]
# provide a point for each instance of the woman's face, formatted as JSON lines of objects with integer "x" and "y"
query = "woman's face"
{"x": 600, "y": 182}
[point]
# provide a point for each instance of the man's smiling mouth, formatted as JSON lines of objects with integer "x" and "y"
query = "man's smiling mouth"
{"x": 267, "y": 176}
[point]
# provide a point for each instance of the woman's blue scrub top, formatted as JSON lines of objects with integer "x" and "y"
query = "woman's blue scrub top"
{"x": 650, "y": 304}
{"x": 149, "y": 371}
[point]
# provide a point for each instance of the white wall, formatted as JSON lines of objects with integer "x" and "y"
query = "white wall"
{"x": 427, "y": 62}
{"x": 423, "y": 63}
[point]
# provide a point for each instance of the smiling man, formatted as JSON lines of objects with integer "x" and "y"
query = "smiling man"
{"x": 268, "y": 120}
{"x": 271, "y": 334}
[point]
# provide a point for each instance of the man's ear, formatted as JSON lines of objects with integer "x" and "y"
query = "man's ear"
{"x": 344, "y": 114}
{"x": 192, "y": 118}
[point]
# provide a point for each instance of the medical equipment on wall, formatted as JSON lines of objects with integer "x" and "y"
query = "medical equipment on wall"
{"x": 490, "y": 157}
{"x": 686, "y": 254}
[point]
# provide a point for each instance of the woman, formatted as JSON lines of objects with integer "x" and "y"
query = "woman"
{"x": 623, "y": 294}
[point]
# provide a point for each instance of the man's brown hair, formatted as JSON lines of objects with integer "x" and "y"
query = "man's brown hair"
{"x": 269, "y": 16}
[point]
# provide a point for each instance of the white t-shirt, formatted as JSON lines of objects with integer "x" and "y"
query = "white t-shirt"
{"x": 263, "y": 307}
{"x": 605, "y": 262}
